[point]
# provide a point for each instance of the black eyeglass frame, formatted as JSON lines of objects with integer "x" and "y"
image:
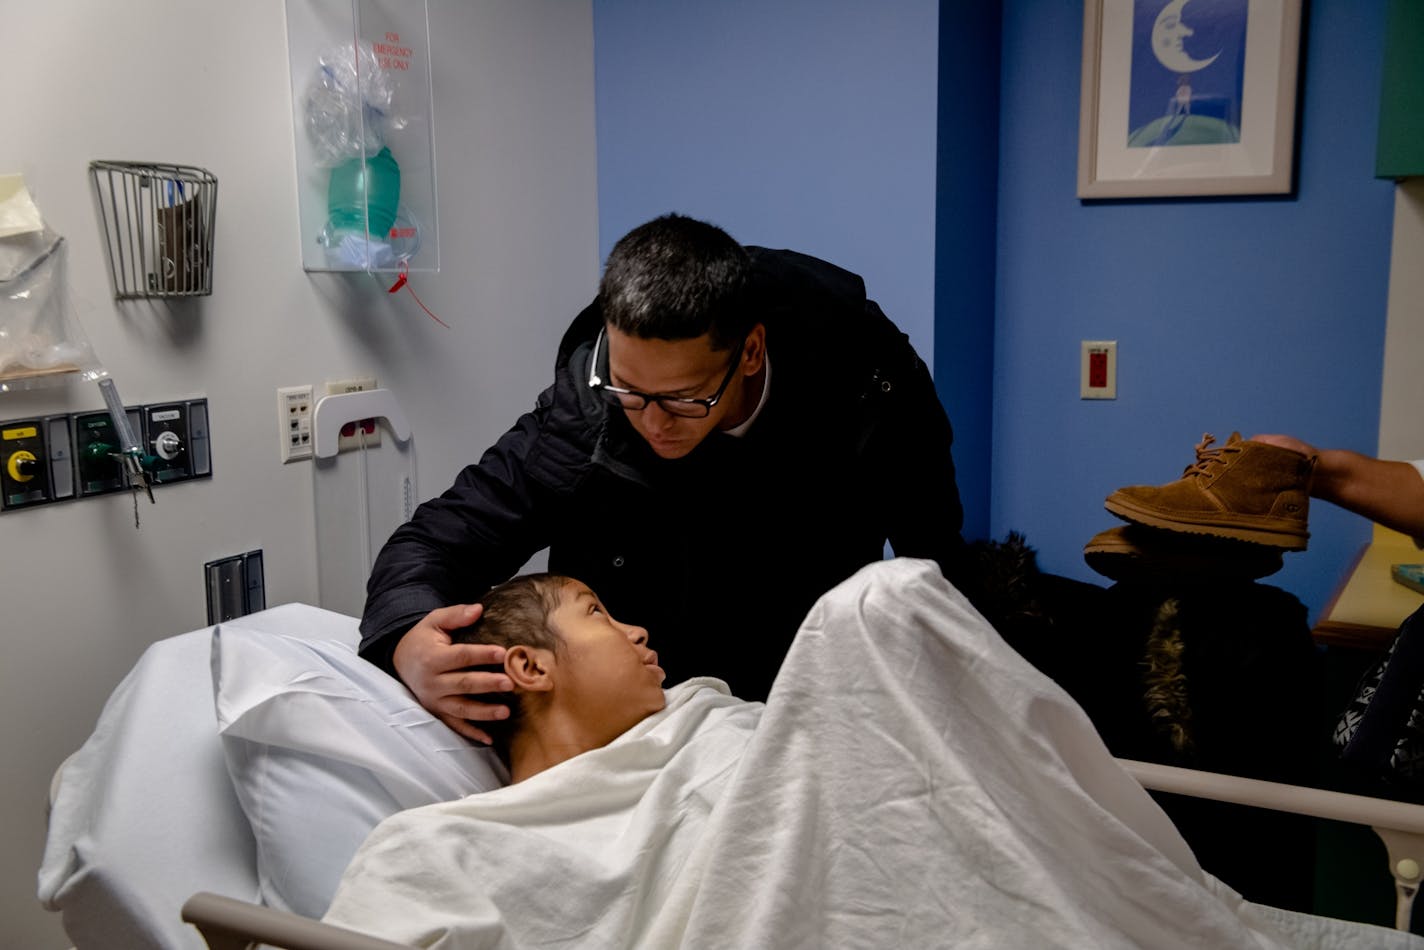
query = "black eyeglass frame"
{"x": 617, "y": 395}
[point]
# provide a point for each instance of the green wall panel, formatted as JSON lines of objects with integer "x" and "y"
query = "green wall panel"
{"x": 1401, "y": 133}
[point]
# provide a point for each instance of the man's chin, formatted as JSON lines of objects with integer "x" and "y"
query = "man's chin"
{"x": 671, "y": 450}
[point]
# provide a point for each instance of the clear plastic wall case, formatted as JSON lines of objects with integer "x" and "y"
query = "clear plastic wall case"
{"x": 365, "y": 134}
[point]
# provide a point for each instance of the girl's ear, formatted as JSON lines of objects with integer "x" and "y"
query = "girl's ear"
{"x": 529, "y": 668}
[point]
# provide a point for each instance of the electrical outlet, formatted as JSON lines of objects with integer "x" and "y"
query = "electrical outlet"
{"x": 355, "y": 435}
{"x": 294, "y": 422}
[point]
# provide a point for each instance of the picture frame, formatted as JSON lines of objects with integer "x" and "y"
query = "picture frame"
{"x": 1181, "y": 102}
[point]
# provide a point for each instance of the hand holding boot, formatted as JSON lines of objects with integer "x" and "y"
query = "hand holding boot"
{"x": 1388, "y": 492}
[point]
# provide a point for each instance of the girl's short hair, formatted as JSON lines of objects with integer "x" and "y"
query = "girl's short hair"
{"x": 515, "y": 613}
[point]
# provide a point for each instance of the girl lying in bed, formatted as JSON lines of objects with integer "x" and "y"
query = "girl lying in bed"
{"x": 911, "y": 781}
{"x": 580, "y": 678}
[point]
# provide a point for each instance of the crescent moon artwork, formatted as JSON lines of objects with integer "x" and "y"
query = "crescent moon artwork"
{"x": 1187, "y": 62}
{"x": 1168, "y": 32}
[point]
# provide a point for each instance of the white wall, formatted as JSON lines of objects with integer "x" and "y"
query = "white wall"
{"x": 1401, "y": 423}
{"x": 206, "y": 83}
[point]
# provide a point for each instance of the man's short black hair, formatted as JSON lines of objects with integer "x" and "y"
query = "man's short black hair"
{"x": 677, "y": 278}
{"x": 515, "y": 613}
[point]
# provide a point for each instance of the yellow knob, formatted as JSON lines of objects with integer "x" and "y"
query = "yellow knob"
{"x": 1408, "y": 869}
{"x": 21, "y": 466}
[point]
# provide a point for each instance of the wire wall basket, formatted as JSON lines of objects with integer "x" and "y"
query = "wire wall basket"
{"x": 158, "y": 223}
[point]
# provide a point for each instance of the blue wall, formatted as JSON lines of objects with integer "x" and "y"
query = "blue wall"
{"x": 838, "y": 128}
{"x": 807, "y": 124}
{"x": 1262, "y": 315}
{"x": 966, "y": 189}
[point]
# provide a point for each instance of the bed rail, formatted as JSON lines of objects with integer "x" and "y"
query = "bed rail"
{"x": 230, "y": 924}
{"x": 1399, "y": 825}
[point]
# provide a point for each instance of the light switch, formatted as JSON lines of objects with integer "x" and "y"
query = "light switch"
{"x": 1099, "y": 369}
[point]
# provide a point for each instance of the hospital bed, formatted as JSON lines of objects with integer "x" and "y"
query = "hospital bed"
{"x": 241, "y": 765}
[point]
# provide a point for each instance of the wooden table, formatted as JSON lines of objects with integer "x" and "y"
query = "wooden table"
{"x": 1369, "y": 606}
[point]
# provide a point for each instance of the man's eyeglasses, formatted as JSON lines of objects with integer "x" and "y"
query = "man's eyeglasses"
{"x": 634, "y": 401}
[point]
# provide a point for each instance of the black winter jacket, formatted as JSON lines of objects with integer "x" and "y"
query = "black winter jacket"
{"x": 721, "y": 553}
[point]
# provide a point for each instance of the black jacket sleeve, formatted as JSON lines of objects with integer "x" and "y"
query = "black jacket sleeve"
{"x": 458, "y": 545}
{"x": 910, "y": 449}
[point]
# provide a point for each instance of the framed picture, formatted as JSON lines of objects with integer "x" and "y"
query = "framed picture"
{"x": 1187, "y": 97}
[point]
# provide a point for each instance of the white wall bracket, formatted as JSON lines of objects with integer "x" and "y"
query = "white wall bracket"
{"x": 333, "y": 412}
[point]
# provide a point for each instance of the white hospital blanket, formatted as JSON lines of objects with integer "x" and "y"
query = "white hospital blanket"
{"x": 912, "y": 782}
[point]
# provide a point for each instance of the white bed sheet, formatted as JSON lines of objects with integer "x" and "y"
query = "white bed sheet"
{"x": 145, "y": 813}
{"x": 912, "y": 782}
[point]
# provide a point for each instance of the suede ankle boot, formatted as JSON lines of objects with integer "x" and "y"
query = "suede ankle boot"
{"x": 1245, "y": 491}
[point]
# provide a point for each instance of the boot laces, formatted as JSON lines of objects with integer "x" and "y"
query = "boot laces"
{"x": 1209, "y": 459}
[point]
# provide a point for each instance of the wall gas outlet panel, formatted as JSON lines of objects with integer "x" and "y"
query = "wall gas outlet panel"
{"x": 60, "y": 457}
{"x": 175, "y": 437}
{"x": 24, "y": 465}
{"x": 96, "y": 441}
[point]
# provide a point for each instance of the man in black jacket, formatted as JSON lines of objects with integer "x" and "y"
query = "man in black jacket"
{"x": 731, "y": 432}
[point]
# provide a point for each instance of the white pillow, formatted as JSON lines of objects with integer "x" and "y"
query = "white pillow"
{"x": 321, "y": 746}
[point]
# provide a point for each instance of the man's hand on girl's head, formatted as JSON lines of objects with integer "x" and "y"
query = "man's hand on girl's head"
{"x": 441, "y": 673}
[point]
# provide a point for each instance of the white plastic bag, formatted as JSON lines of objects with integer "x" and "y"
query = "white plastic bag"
{"x": 40, "y": 338}
{"x": 349, "y": 105}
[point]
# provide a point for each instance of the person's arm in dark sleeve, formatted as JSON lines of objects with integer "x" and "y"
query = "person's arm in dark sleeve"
{"x": 456, "y": 546}
{"x": 910, "y": 449}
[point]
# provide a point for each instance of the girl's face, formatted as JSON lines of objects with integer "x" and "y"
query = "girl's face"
{"x": 605, "y": 671}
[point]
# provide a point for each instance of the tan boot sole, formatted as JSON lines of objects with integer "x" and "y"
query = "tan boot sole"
{"x": 1134, "y": 552}
{"x": 1205, "y": 524}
